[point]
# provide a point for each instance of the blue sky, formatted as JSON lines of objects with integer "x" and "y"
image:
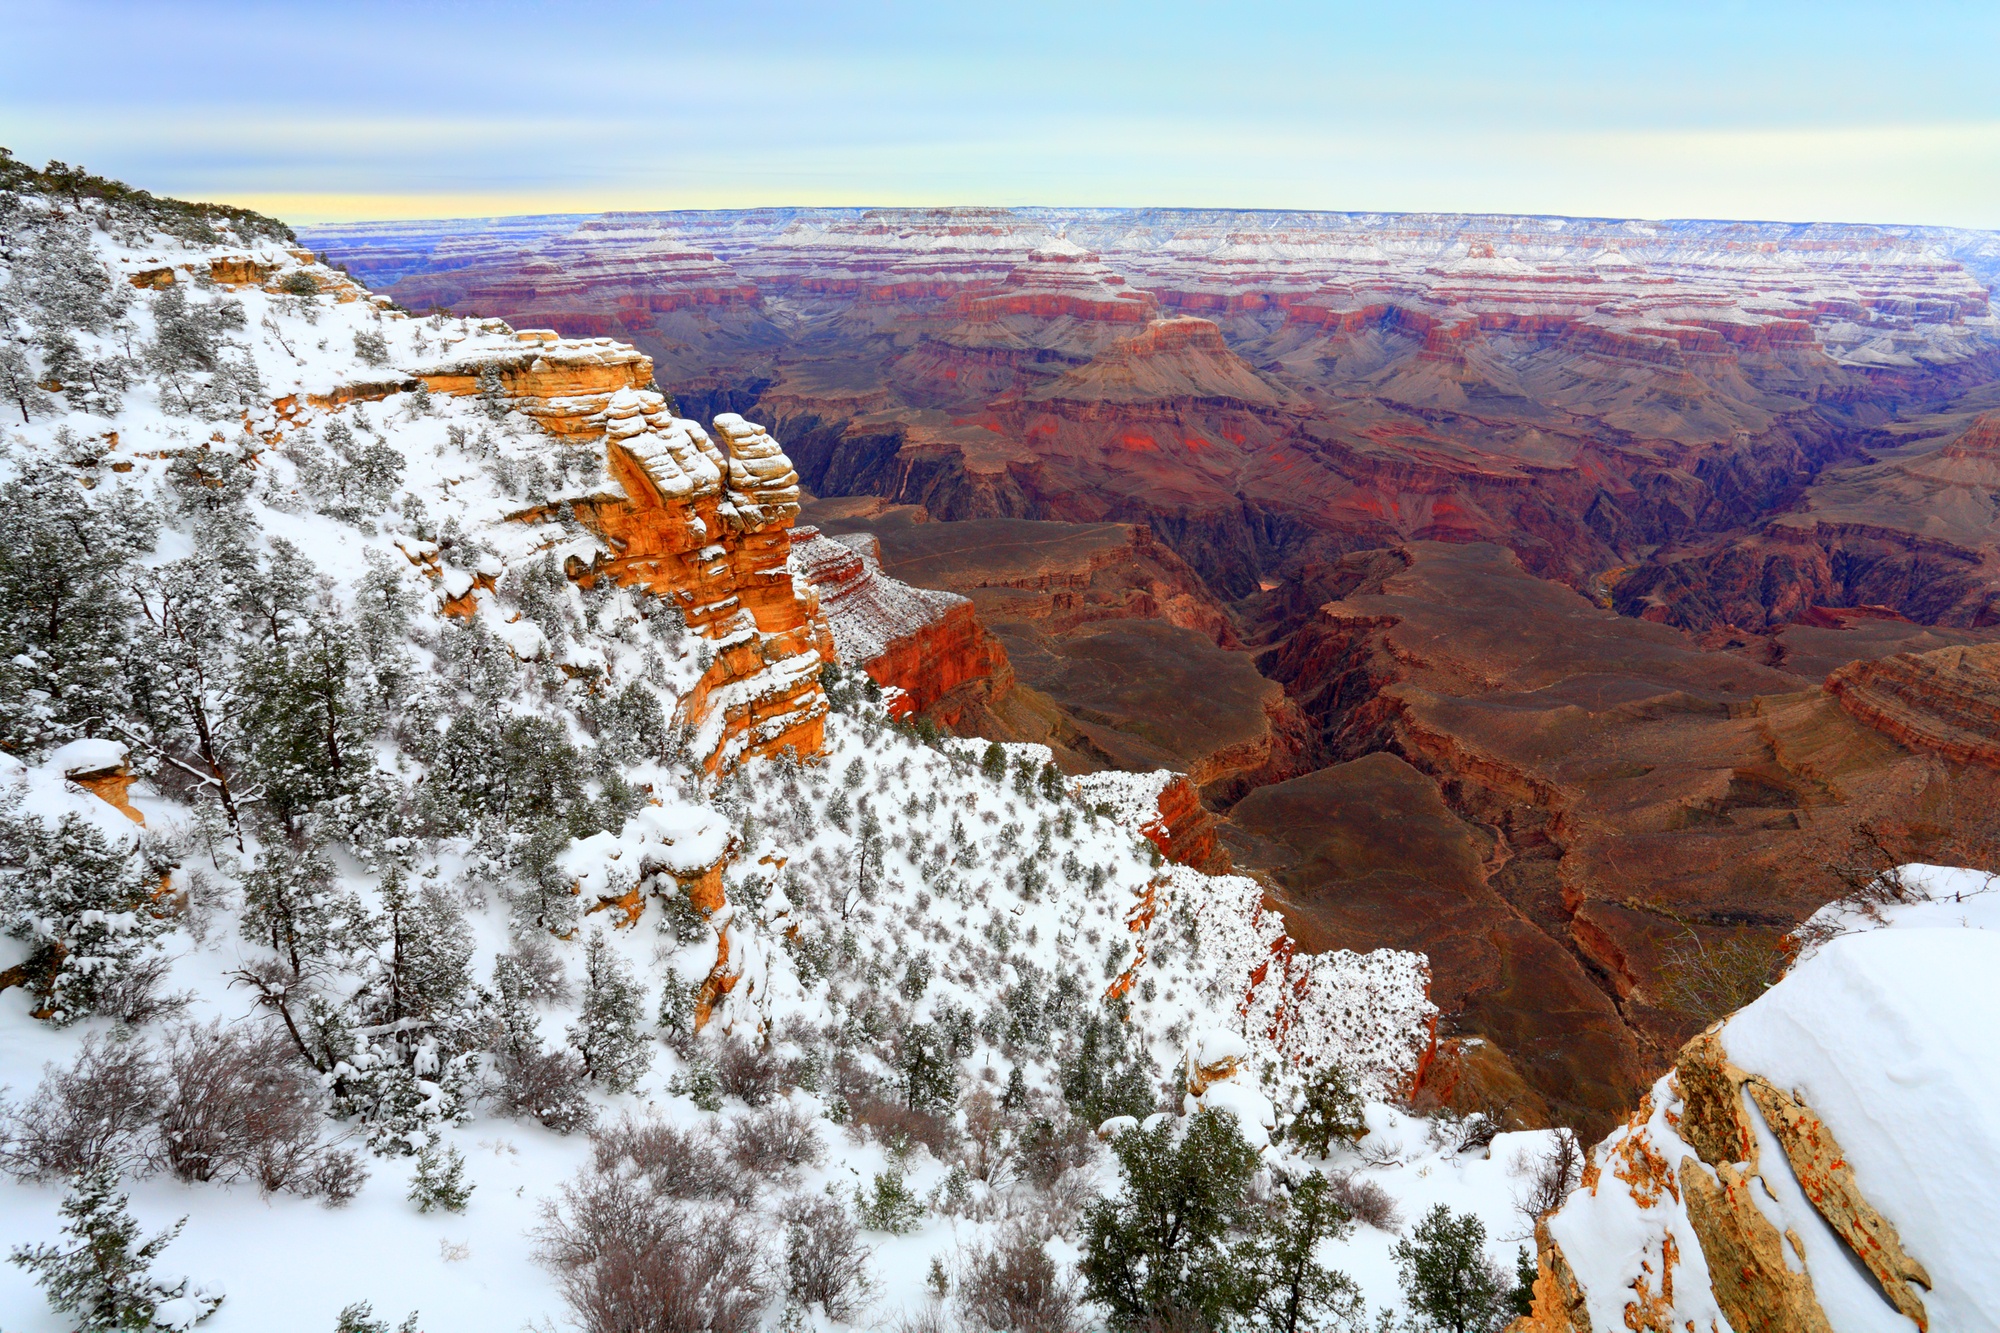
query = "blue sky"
{"x": 1833, "y": 111}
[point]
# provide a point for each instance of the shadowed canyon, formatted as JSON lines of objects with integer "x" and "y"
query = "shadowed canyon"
{"x": 1563, "y": 598}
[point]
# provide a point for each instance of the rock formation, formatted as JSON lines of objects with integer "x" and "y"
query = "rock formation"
{"x": 928, "y": 644}
{"x": 1947, "y": 701}
{"x": 713, "y": 533}
{"x": 1774, "y": 1179}
{"x": 1165, "y": 807}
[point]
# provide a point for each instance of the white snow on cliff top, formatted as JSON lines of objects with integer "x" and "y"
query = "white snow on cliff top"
{"x": 1884, "y": 1029}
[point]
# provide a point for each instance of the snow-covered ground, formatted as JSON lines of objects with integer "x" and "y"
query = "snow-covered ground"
{"x": 881, "y": 885}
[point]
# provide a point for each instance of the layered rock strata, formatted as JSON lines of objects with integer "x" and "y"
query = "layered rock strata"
{"x": 928, "y": 644}
{"x": 712, "y": 531}
{"x": 1946, "y": 702}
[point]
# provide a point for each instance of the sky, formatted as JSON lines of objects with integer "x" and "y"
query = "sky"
{"x": 1826, "y": 111}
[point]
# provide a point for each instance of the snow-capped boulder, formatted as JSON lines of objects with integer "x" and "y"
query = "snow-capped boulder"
{"x": 1826, "y": 1158}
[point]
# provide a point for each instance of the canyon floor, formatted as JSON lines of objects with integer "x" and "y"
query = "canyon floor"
{"x": 1579, "y": 602}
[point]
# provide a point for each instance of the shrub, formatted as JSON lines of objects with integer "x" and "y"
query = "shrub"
{"x": 890, "y": 1205}
{"x": 1551, "y": 1177}
{"x": 96, "y": 1115}
{"x": 628, "y": 1259}
{"x": 1054, "y": 1145}
{"x": 1016, "y": 1288}
{"x": 545, "y": 1086}
{"x": 680, "y": 1164}
{"x": 1450, "y": 1284}
{"x": 901, "y": 1129}
{"x": 825, "y": 1262}
{"x": 131, "y": 995}
{"x": 237, "y": 1104}
{"x": 775, "y": 1141}
{"x": 1365, "y": 1201}
{"x": 751, "y": 1072}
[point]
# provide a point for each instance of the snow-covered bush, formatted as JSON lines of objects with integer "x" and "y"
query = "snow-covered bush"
{"x": 105, "y": 1276}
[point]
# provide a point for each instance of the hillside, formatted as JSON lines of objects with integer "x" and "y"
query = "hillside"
{"x": 426, "y": 770}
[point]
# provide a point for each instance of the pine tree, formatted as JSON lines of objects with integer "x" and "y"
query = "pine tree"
{"x": 69, "y": 286}
{"x": 439, "y": 1181}
{"x": 63, "y": 640}
{"x": 18, "y": 384}
{"x": 1331, "y": 1112}
{"x": 426, "y": 973}
{"x": 360, "y": 1318}
{"x": 609, "y": 1033}
{"x": 1158, "y": 1253}
{"x": 1450, "y": 1284}
{"x": 83, "y": 904}
{"x": 492, "y": 393}
{"x": 185, "y": 694}
{"x": 928, "y": 1071}
{"x": 1053, "y": 786}
{"x": 1294, "y": 1293}
{"x": 303, "y": 718}
{"x": 292, "y": 902}
{"x": 1101, "y": 1077}
{"x": 103, "y": 1278}
{"x": 994, "y": 762}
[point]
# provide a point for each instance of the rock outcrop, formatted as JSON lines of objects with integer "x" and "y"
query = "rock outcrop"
{"x": 1946, "y": 701}
{"x": 1164, "y": 807}
{"x": 928, "y": 644}
{"x": 712, "y": 531}
{"x": 1820, "y": 1161}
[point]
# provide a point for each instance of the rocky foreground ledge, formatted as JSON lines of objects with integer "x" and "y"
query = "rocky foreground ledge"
{"x": 1826, "y": 1158}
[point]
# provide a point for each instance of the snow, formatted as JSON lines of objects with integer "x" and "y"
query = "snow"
{"x": 1883, "y": 1028}
{"x": 993, "y": 886}
{"x": 1880, "y": 1033}
{"x": 90, "y": 755}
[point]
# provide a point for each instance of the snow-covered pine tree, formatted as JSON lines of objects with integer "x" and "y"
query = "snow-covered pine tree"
{"x": 62, "y": 609}
{"x": 609, "y": 1032}
{"x": 439, "y": 1180}
{"x": 82, "y": 904}
{"x": 19, "y": 385}
{"x": 105, "y": 1276}
{"x": 302, "y": 720}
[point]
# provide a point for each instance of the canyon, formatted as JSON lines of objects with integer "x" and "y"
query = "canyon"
{"x": 1563, "y": 598}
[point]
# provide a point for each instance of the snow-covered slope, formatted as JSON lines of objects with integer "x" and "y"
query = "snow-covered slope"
{"x": 1824, "y": 1158}
{"x": 489, "y": 787}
